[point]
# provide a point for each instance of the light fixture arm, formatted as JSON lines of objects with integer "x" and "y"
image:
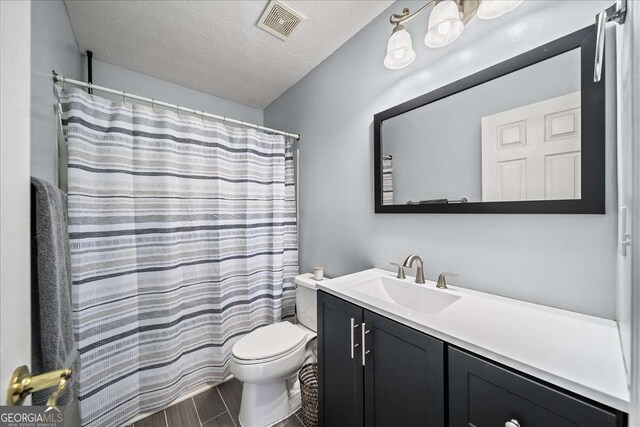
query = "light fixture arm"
{"x": 406, "y": 16}
{"x": 467, "y": 7}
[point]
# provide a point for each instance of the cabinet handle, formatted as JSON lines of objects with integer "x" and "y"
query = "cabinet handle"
{"x": 364, "y": 344}
{"x": 512, "y": 423}
{"x": 353, "y": 346}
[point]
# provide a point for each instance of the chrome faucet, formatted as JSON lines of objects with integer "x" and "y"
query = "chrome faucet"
{"x": 419, "y": 269}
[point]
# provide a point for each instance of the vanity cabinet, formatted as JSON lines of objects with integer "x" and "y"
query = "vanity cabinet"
{"x": 397, "y": 381}
{"x": 484, "y": 394}
{"x": 374, "y": 371}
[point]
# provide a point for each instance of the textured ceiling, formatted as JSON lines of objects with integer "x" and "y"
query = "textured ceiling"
{"x": 215, "y": 46}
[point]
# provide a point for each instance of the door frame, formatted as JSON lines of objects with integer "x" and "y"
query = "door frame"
{"x": 632, "y": 24}
{"x": 15, "y": 192}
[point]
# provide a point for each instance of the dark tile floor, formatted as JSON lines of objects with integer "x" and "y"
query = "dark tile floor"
{"x": 216, "y": 407}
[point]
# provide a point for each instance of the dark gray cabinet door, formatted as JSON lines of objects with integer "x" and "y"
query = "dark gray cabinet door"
{"x": 404, "y": 375}
{"x": 340, "y": 373}
{"x": 482, "y": 394}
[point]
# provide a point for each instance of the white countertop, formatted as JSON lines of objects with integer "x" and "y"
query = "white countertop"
{"x": 573, "y": 351}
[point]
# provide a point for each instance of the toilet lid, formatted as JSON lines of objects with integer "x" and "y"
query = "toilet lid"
{"x": 269, "y": 341}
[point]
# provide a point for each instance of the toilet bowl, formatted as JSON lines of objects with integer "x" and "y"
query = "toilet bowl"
{"x": 266, "y": 360}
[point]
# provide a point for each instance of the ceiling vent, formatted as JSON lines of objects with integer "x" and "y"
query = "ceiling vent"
{"x": 280, "y": 19}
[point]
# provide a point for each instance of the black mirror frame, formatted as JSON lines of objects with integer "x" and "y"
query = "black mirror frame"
{"x": 592, "y": 134}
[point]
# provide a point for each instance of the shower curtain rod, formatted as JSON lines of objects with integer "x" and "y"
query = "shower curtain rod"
{"x": 62, "y": 79}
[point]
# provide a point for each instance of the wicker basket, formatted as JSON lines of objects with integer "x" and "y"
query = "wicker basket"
{"x": 309, "y": 389}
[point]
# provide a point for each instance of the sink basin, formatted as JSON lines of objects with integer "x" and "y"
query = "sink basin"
{"x": 411, "y": 296}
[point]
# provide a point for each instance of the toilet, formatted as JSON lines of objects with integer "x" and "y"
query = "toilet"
{"x": 267, "y": 359}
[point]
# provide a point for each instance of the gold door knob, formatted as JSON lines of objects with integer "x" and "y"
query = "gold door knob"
{"x": 22, "y": 384}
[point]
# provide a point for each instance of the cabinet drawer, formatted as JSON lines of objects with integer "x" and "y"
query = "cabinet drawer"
{"x": 482, "y": 394}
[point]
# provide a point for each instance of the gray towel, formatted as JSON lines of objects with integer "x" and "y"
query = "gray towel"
{"x": 53, "y": 345}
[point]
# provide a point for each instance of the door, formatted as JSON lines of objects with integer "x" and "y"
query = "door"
{"x": 404, "y": 375}
{"x": 339, "y": 363}
{"x": 533, "y": 152}
{"x": 15, "y": 193}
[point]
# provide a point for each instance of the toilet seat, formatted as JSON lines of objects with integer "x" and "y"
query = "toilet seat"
{"x": 268, "y": 359}
{"x": 269, "y": 343}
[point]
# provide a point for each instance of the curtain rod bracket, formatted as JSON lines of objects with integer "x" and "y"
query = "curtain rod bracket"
{"x": 90, "y": 71}
{"x": 617, "y": 12}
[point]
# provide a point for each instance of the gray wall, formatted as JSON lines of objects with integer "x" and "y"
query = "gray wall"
{"x": 565, "y": 261}
{"x": 53, "y": 47}
{"x": 141, "y": 84}
{"x": 437, "y": 149}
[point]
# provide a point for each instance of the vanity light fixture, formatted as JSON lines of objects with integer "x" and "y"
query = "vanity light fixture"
{"x": 446, "y": 24}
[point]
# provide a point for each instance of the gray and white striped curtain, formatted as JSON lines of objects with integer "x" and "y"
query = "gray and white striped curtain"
{"x": 183, "y": 238}
{"x": 387, "y": 180}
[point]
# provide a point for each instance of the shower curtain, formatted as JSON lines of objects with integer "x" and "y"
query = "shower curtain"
{"x": 183, "y": 238}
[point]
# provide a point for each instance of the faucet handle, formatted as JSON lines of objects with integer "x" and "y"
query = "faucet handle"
{"x": 400, "y": 270}
{"x": 442, "y": 282}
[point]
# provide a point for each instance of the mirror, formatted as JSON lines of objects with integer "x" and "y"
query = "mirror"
{"x": 512, "y": 139}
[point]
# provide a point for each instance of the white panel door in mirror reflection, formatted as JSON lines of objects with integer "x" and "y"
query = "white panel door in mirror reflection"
{"x": 533, "y": 152}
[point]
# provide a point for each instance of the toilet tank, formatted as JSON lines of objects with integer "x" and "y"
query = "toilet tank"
{"x": 306, "y": 301}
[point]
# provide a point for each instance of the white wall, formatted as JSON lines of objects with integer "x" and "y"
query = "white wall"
{"x": 565, "y": 261}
